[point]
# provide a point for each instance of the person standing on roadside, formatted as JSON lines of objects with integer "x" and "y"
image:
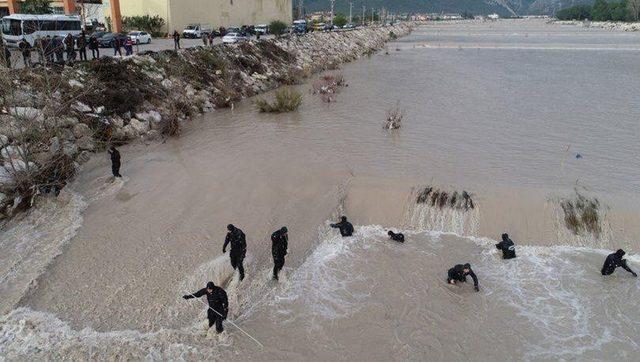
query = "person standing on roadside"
{"x": 82, "y": 45}
{"x": 211, "y": 37}
{"x": 58, "y": 49}
{"x": 70, "y": 46}
{"x": 94, "y": 46}
{"x": 128, "y": 46}
{"x": 176, "y": 40}
{"x": 117, "y": 45}
{"x": 25, "y": 49}
{"x": 6, "y": 54}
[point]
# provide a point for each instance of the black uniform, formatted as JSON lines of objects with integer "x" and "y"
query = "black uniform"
{"x": 115, "y": 162}
{"x": 457, "y": 274}
{"x": 615, "y": 260}
{"x": 279, "y": 245}
{"x": 217, "y": 301}
{"x": 507, "y": 246}
{"x": 238, "y": 242}
{"x": 346, "y": 229}
{"x": 399, "y": 237}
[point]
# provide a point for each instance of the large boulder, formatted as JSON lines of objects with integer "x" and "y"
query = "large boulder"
{"x": 151, "y": 116}
{"x": 130, "y": 132}
{"x": 140, "y": 126}
{"x": 86, "y": 143}
{"x": 81, "y": 130}
{"x": 27, "y": 113}
{"x": 11, "y": 152}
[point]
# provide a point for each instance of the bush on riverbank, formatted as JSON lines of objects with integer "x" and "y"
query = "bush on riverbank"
{"x": 287, "y": 100}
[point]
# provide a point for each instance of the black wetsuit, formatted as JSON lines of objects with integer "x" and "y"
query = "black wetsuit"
{"x": 115, "y": 162}
{"x": 457, "y": 274}
{"x": 279, "y": 244}
{"x": 238, "y": 249}
{"x": 508, "y": 248}
{"x": 218, "y": 301}
{"x": 614, "y": 261}
{"x": 346, "y": 229}
{"x": 399, "y": 237}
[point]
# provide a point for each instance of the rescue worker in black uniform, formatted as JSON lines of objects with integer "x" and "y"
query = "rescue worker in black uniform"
{"x": 399, "y": 237}
{"x": 346, "y": 229}
{"x": 279, "y": 245}
{"x": 507, "y": 246}
{"x": 615, "y": 260}
{"x": 459, "y": 274}
{"x": 115, "y": 161}
{"x": 238, "y": 242}
{"x": 218, "y": 304}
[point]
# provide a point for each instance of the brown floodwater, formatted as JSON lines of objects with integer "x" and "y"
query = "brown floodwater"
{"x": 499, "y": 110}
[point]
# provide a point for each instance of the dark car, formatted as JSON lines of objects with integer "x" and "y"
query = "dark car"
{"x": 106, "y": 41}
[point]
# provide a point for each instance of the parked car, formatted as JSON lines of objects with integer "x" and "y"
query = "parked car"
{"x": 195, "y": 31}
{"x": 263, "y": 29}
{"x": 140, "y": 37}
{"x": 350, "y": 26}
{"x": 233, "y": 38}
{"x": 106, "y": 41}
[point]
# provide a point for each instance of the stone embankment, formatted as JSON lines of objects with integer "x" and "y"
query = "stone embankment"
{"x": 608, "y": 25}
{"x": 52, "y": 118}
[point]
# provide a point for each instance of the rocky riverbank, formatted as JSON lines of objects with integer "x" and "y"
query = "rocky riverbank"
{"x": 53, "y": 118}
{"x": 607, "y": 25}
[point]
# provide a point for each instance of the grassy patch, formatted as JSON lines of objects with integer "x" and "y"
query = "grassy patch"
{"x": 286, "y": 100}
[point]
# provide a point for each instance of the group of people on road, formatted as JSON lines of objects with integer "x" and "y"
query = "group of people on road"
{"x": 54, "y": 49}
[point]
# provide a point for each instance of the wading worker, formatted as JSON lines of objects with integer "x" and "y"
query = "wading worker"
{"x": 507, "y": 246}
{"x": 614, "y": 261}
{"x": 399, "y": 237}
{"x": 218, "y": 304}
{"x": 346, "y": 229}
{"x": 115, "y": 161}
{"x": 459, "y": 274}
{"x": 279, "y": 245}
{"x": 238, "y": 242}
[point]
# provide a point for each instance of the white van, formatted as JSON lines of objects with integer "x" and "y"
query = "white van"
{"x": 15, "y": 27}
{"x": 195, "y": 31}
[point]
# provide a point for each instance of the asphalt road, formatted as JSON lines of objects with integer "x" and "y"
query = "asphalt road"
{"x": 156, "y": 45}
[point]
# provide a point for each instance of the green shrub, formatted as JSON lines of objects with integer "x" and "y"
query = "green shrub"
{"x": 277, "y": 27}
{"x": 150, "y": 24}
{"x": 287, "y": 100}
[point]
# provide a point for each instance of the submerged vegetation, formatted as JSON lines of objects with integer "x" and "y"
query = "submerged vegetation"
{"x": 394, "y": 117}
{"x": 581, "y": 215}
{"x": 440, "y": 198}
{"x": 287, "y": 100}
{"x": 328, "y": 86}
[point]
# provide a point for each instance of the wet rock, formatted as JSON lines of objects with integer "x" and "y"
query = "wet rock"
{"x": 81, "y": 107}
{"x": 69, "y": 148}
{"x": 26, "y": 113}
{"x": 81, "y": 130}
{"x": 83, "y": 157}
{"x": 141, "y": 127}
{"x": 130, "y": 132}
{"x": 150, "y": 116}
{"x": 117, "y": 122}
{"x": 86, "y": 143}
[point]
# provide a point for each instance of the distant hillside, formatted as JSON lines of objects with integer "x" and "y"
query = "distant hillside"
{"x": 502, "y": 7}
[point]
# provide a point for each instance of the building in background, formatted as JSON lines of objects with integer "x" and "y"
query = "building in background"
{"x": 180, "y": 13}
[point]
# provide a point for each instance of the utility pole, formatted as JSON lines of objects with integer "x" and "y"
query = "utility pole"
{"x": 333, "y": 3}
{"x": 300, "y": 9}
{"x": 363, "y": 14}
{"x": 350, "y": 12}
{"x": 371, "y": 16}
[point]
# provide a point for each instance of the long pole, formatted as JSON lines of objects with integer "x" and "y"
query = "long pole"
{"x": 350, "y": 12}
{"x": 333, "y": 3}
{"x": 363, "y": 15}
{"x": 228, "y": 321}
